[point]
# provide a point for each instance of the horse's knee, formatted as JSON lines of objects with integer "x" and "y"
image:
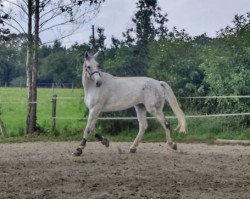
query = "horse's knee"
{"x": 86, "y": 131}
{"x": 143, "y": 127}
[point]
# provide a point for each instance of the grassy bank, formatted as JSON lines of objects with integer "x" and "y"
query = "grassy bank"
{"x": 70, "y": 106}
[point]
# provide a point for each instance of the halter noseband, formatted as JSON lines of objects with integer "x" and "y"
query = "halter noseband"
{"x": 90, "y": 74}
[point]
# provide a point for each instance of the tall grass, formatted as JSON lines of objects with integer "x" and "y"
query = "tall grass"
{"x": 13, "y": 107}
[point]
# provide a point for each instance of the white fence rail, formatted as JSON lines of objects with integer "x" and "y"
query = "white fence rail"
{"x": 54, "y": 117}
{"x": 170, "y": 117}
{"x": 55, "y": 98}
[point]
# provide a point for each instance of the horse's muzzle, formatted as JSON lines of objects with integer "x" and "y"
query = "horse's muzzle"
{"x": 98, "y": 83}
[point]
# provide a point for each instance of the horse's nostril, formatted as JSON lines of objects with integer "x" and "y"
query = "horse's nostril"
{"x": 98, "y": 83}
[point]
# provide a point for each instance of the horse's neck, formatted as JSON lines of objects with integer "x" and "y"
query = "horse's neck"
{"x": 86, "y": 81}
{"x": 106, "y": 76}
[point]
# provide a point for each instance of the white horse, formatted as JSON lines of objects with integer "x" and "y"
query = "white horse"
{"x": 105, "y": 93}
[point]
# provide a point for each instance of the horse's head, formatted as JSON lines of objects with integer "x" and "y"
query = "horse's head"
{"x": 91, "y": 68}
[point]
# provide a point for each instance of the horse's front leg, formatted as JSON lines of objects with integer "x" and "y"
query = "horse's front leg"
{"x": 92, "y": 118}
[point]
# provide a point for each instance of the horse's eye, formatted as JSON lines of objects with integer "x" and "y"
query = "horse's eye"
{"x": 88, "y": 67}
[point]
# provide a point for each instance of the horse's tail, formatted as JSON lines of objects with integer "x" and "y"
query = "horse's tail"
{"x": 170, "y": 97}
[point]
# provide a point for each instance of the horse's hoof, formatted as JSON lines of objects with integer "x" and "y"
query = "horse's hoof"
{"x": 78, "y": 152}
{"x": 173, "y": 145}
{"x": 132, "y": 150}
{"x": 105, "y": 142}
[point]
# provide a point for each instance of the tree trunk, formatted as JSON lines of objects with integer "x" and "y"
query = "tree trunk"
{"x": 30, "y": 120}
{"x": 32, "y": 74}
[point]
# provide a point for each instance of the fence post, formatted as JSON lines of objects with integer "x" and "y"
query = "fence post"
{"x": 2, "y": 129}
{"x": 53, "y": 87}
{"x": 53, "y": 113}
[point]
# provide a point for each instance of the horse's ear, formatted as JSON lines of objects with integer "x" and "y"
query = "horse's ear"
{"x": 96, "y": 54}
{"x": 86, "y": 55}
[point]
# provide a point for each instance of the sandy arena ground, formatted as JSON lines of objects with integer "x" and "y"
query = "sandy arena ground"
{"x": 48, "y": 170}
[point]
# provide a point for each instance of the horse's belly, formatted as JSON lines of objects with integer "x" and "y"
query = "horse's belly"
{"x": 116, "y": 103}
{"x": 116, "y": 107}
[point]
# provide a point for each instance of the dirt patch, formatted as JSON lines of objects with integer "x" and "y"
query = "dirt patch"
{"x": 48, "y": 170}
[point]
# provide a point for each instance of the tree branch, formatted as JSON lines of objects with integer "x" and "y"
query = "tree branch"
{"x": 19, "y": 6}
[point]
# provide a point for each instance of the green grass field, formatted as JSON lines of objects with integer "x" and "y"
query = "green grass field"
{"x": 70, "y": 105}
{"x": 13, "y": 107}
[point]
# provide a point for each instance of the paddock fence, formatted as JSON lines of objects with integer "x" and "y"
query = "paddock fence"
{"x": 52, "y": 85}
{"x": 54, "y": 117}
{"x": 55, "y": 98}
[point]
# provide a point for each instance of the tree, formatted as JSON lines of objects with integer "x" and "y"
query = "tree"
{"x": 97, "y": 43}
{"x": 227, "y": 61}
{"x": 47, "y": 16}
{"x": 3, "y": 17}
{"x": 146, "y": 19}
{"x": 55, "y": 67}
{"x": 149, "y": 24}
{"x": 11, "y": 57}
{"x": 179, "y": 58}
{"x": 225, "y": 64}
{"x": 101, "y": 39}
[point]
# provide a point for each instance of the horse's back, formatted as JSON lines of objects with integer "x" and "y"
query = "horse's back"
{"x": 125, "y": 92}
{"x": 128, "y": 81}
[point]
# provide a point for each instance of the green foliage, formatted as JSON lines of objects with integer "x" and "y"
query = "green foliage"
{"x": 180, "y": 61}
{"x": 148, "y": 22}
{"x": 226, "y": 64}
{"x": 61, "y": 65}
{"x": 11, "y": 57}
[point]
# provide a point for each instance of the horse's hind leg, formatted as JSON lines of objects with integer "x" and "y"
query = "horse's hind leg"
{"x": 102, "y": 139}
{"x": 166, "y": 126}
{"x": 141, "y": 115}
